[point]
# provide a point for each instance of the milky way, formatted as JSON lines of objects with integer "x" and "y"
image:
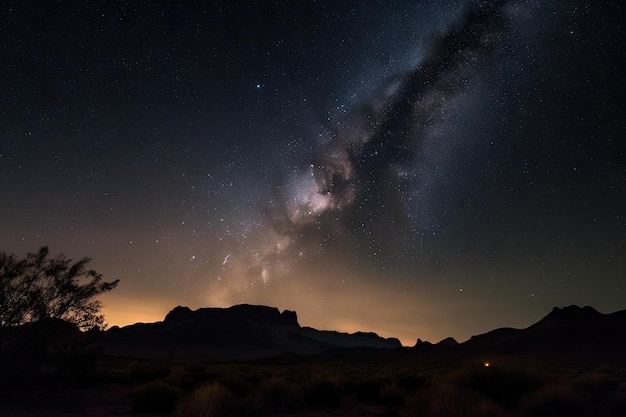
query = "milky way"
{"x": 415, "y": 168}
{"x": 355, "y": 188}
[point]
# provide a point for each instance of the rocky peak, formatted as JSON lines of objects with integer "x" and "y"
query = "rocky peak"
{"x": 448, "y": 341}
{"x": 421, "y": 343}
{"x": 290, "y": 317}
{"x": 571, "y": 314}
{"x": 242, "y": 313}
{"x": 178, "y": 313}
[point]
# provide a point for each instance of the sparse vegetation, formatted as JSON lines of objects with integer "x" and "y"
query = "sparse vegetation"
{"x": 447, "y": 400}
{"x": 501, "y": 385}
{"x": 279, "y": 393}
{"x": 402, "y": 388}
{"x": 322, "y": 392}
{"x": 392, "y": 394}
{"x": 212, "y": 400}
{"x": 143, "y": 372}
{"x": 155, "y": 396}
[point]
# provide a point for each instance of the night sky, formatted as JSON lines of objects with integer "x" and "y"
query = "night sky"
{"x": 414, "y": 168}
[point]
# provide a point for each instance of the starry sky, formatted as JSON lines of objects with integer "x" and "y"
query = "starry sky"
{"x": 414, "y": 168}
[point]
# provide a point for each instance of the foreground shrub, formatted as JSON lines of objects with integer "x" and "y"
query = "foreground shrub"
{"x": 322, "y": 393}
{"x": 554, "y": 400}
{"x": 213, "y": 400}
{"x": 279, "y": 394}
{"x": 367, "y": 390}
{"x": 392, "y": 394}
{"x": 501, "y": 385}
{"x": 156, "y": 396}
{"x": 237, "y": 384}
{"x": 446, "y": 400}
{"x": 598, "y": 384}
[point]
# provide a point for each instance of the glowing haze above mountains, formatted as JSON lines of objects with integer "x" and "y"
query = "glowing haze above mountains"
{"x": 417, "y": 169}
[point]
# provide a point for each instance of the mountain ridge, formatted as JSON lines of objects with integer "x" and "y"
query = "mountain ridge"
{"x": 565, "y": 334}
{"x": 248, "y": 332}
{"x": 239, "y": 332}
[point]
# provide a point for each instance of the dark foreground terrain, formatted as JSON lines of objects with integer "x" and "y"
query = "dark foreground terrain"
{"x": 570, "y": 363}
{"x": 509, "y": 386}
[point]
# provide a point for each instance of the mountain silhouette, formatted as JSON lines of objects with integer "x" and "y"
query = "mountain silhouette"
{"x": 570, "y": 335}
{"x": 573, "y": 332}
{"x": 240, "y": 332}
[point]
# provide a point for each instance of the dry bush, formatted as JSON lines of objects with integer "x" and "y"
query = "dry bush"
{"x": 556, "y": 399}
{"x": 277, "y": 393}
{"x": 155, "y": 396}
{"x": 392, "y": 394}
{"x": 238, "y": 384}
{"x": 446, "y": 400}
{"x": 212, "y": 400}
{"x": 367, "y": 390}
{"x": 598, "y": 384}
{"x": 322, "y": 392}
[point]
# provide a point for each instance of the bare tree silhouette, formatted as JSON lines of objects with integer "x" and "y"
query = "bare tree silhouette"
{"x": 39, "y": 286}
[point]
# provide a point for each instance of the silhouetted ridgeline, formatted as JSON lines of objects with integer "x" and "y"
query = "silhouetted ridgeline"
{"x": 577, "y": 333}
{"x": 235, "y": 333}
{"x": 570, "y": 335}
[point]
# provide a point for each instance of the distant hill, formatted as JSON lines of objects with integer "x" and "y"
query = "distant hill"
{"x": 237, "y": 333}
{"x": 568, "y": 326}
{"x": 570, "y": 335}
{"x": 572, "y": 332}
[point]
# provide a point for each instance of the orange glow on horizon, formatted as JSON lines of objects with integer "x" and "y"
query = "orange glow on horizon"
{"x": 122, "y": 312}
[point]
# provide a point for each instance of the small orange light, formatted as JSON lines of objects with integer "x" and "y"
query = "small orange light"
{"x": 486, "y": 363}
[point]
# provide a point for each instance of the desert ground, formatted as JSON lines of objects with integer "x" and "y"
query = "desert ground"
{"x": 403, "y": 386}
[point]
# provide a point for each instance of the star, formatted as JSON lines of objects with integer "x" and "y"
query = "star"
{"x": 442, "y": 143}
